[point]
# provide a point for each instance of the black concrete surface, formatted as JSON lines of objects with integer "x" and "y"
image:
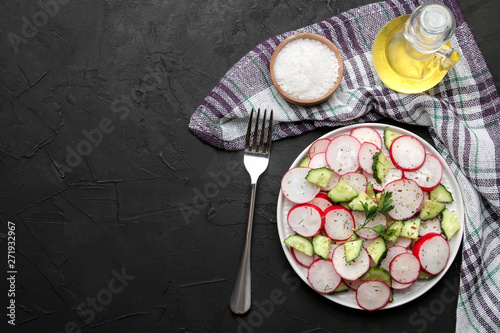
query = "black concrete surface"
{"x": 144, "y": 232}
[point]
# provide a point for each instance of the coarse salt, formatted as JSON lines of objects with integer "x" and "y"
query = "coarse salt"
{"x": 306, "y": 69}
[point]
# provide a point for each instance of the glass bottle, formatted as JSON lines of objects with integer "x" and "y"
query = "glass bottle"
{"x": 412, "y": 54}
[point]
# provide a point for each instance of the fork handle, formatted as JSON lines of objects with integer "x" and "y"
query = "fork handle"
{"x": 241, "y": 297}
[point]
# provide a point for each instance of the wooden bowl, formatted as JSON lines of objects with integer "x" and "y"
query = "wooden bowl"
{"x": 326, "y": 42}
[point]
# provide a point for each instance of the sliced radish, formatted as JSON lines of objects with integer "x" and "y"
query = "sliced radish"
{"x": 296, "y": 188}
{"x": 332, "y": 248}
{"x": 365, "y": 156}
{"x": 318, "y": 146}
{"x": 392, "y": 175}
{"x": 367, "y": 134}
{"x": 372, "y": 263}
{"x": 373, "y": 295}
{"x": 359, "y": 220}
{"x": 407, "y": 198}
{"x": 366, "y": 242}
{"x": 429, "y": 175}
{"x": 404, "y": 268}
{"x": 338, "y": 223}
{"x": 399, "y": 286}
{"x": 407, "y": 153}
{"x": 356, "y": 180}
{"x": 305, "y": 219}
{"x": 323, "y": 277}
{"x": 342, "y": 154}
{"x": 302, "y": 258}
{"x": 353, "y": 284}
{"x": 391, "y": 253}
{"x": 354, "y": 269}
{"x": 371, "y": 179}
{"x": 321, "y": 200}
{"x": 430, "y": 226}
{"x": 433, "y": 252}
{"x": 334, "y": 179}
{"x": 401, "y": 241}
{"x": 318, "y": 161}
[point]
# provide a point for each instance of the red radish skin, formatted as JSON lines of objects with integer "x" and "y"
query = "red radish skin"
{"x": 391, "y": 254}
{"x": 322, "y": 276}
{"x": 407, "y": 153}
{"x": 429, "y": 175}
{"x": 373, "y": 295}
{"x": 338, "y": 223}
{"x": 365, "y": 156}
{"x": 433, "y": 251}
{"x": 367, "y": 134}
{"x": 342, "y": 154}
{"x": 404, "y": 268}
{"x": 407, "y": 198}
{"x": 296, "y": 188}
{"x": 302, "y": 258}
{"x": 318, "y": 146}
{"x": 305, "y": 219}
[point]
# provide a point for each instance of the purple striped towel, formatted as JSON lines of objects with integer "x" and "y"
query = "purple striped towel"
{"x": 462, "y": 113}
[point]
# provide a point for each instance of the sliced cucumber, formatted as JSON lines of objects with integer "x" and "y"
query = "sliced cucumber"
{"x": 397, "y": 226}
{"x": 320, "y": 176}
{"x": 342, "y": 287}
{"x": 377, "y": 274}
{"x": 300, "y": 243}
{"x": 449, "y": 223}
{"x": 381, "y": 166}
{"x": 410, "y": 229}
{"x": 360, "y": 201}
{"x": 321, "y": 245}
{"x": 305, "y": 162}
{"x": 344, "y": 204}
{"x": 377, "y": 250}
{"x": 342, "y": 192}
{"x": 431, "y": 209}
{"x": 441, "y": 194}
{"x": 370, "y": 192}
{"x": 352, "y": 249}
{"x": 424, "y": 276}
{"x": 389, "y": 136}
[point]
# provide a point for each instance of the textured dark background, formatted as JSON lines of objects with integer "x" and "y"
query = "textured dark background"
{"x": 149, "y": 200}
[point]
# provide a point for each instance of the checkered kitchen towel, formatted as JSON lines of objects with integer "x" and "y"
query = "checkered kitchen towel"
{"x": 462, "y": 114}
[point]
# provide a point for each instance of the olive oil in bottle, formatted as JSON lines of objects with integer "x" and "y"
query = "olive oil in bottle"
{"x": 412, "y": 54}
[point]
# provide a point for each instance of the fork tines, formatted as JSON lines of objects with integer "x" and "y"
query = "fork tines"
{"x": 259, "y": 147}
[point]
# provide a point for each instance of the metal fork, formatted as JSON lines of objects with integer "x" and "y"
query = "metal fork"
{"x": 256, "y": 160}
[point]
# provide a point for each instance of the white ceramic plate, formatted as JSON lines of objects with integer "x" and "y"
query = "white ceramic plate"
{"x": 400, "y": 296}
